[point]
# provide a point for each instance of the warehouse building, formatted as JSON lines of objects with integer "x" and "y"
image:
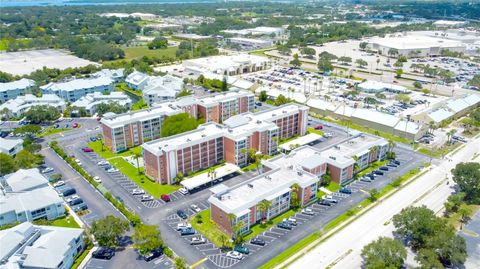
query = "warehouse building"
{"x": 250, "y": 43}
{"x": 227, "y": 64}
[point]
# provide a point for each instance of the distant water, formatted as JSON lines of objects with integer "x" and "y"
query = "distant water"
{"x": 26, "y": 3}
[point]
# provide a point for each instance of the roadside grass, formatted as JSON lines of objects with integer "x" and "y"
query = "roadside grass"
{"x": 346, "y": 216}
{"x": 51, "y": 131}
{"x": 140, "y": 51}
{"x": 313, "y": 131}
{"x": 260, "y": 228}
{"x": 439, "y": 152}
{"x": 261, "y": 52}
{"x": 209, "y": 229}
{"x": 455, "y": 218}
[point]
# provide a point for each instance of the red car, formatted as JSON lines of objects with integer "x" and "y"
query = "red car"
{"x": 87, "y": 150}
{"x": 75, "y": 125}
{"x": 98, "y": 118}
{"x": 165, "y": 198}
{"x": 319, "y": 127}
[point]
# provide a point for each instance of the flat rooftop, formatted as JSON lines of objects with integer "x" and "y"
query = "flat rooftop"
{"x": 415, "y": 42}
{"x": 140, "y": 115}
{"x": 223, "y": 97}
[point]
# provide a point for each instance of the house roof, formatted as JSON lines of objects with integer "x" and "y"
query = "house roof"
{"x": 7, "y": 144}
{"x": 18, "y": 84}
{"x": 25, "y": 179}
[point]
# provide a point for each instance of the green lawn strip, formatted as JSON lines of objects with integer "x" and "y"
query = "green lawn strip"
{"x": 208, "y": 228}
{"x": 439, "y": 152}
{"x": 67, "y": 221}
{"x": 313, "y": 131}
{"x": 259, "y": 228}
{"x": 107, "y": 154}
{"x": 360, "y": 128}
{"x": 320, "y": 194}
{"x": 333, "y": 186}
{"x": 346, "y": 216}
{"x": 122, "y": 87}
{"x": 205, "y": 170}
{"x": 140, "y": 51}
{"x": 51, "y": 130}
{"x": 283, "y": 141}
{"x": 81, "y": 257}
{"x": 261, "y": 52}
{"x": 455, "y": 218}
{"x": 154, "y": 189}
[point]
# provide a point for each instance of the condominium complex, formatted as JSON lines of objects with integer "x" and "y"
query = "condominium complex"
{"x": 26, "y": 196}
{"x": 132, "y": 129}
{"x": 33, "y": 246}
{"x": 91, "y": 101}
{"x": 212, "y": 142}
{"x": 160, "y": 89}
{"x": 73, "y": 90}
{"x": 299, "y": 172}
{"x": 11, "y": 90}
{"x": 11, "y": 146}
{"x": 22, "y": 104}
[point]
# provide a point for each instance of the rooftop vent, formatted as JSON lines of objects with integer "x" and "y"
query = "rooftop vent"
{"x": 299, "y": 173}
{"x": 333, "y": 158}
{"x": 284, "y": 111}
{"x": 188, "y": 140}
{"x": 273, "y": 114}
{"x": 203, "y": 135}
{"x": 290, "y": 167}
{"x": 337, "y": 147}
{"x": 268, "y": 177}
{"x": 250, "y": 185}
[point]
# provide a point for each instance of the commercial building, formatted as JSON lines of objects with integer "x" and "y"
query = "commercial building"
{"x": 291, "y": 177}
{"x": 91, "y": 101}
{"x": 414, "y": 45}
{"x": 11, "y": 146}
{"x": 73, "y": 90}
{"x": 160, "y": 89}
{"x": 227, "y": 64}
{"x": 448, "y": 24}
{"x": 211, "y": 142}
{"x": 11, "y": 90}
{"x": 26, "y": 196}
{"x": 134, "y": 128}
{"x": 371, "y": 86}
{"x": 250, "y": 43}
{"x": 448, "y": 109}
{"x": 34, "y": 246}
{"x": 258, "y": 31}
{"x": 192, "y": 36}
{"x": 22, "y": 104}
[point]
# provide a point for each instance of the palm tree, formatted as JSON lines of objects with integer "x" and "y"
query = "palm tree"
{"x": 431, "y": 126}
{"x": 223, "y": 239}
{"x": 465, "y": 213}
{"x": 373, "y": 151}
{"x": 263, "y": 207}
{"x": 391, "y": 145}
{"x": 99, "y": 137}
{"x": 356, "y": 167}
{"x": 294, "y": 199}
{"x": 450, "y": 134}
{"x": 137, "y": 155}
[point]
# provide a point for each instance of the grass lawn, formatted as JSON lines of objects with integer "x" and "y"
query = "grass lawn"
{"x": 313, "y": 131}
{"x": 333, "y": 187}
{"x": 67, "y": 221}
{"x": 320, "y": 194}
{"x": 455, "y": 218}
{"x": 438, "y": 152}
{"x": 259, "y": 228}
{"x": 50, "y": 131}
{"x": 140, "y": 51}
{"x": 208, "y": 228}
{"x": 154, "y": 189}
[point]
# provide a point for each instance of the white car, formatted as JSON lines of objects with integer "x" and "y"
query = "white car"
{"x": 195, "y": 208}
{"x": 146, "y": 198}
{"x": 330, "y": 198}
{"x": 58, "y": 183}
{"x": 71, "y": 198}
{"x": 291, "y": 219}
{"x": 47, "y": 170}
{"x": 308, "y": 211}
{"x": 327, "y": 135}
{"x": 103, "y": 163}
{"x": 183, "y": 191}
{"x": 235, "y": 255}
{"x": 183, "y": 225}
{"x": 138, "y": 191}
{"x": 197, "y": 240}
{"x": 97, "y": 179}
{"x": 112, "y": 170}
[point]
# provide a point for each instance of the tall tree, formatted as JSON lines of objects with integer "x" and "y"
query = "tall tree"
{"x": 384, "y": 253}
{"x": 296, "y": 61}
{"x": 146, "y": 238}
{"x": 107, "y": 230}
{"x": 7, "y": 164}
{"x": 263, "y": 206}
{"x": 178, "y": 123}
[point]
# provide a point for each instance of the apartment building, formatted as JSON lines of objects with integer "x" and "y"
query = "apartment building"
{"x": 211, "y": 142}
{"x": 134, "y": 128}
{"x": 16, "y": 107}
{"x": 73, "y": 90}
{"x": 91, "y": 101}
{"x": 34, "y": 246}
{"x": 161, "y": 89}
{"x": 221, "y": 106}
{"x": 284, "y": 175}
{"x": 11, "y": 146}
{"x": 137, "y": 80}
{"x": 11, "y": 90}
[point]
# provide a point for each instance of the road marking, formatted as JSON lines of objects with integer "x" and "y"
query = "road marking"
{"x": 198, "y": 263}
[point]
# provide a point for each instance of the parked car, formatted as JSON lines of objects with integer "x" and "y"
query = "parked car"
{"x": 146, "y": 198}
{"x": 378, "y": 172}
{"x": 197, "y": 240}
{"x": 103, "y": 253}
{"x": 183, "y": 191}
{"x": 291, "y": 220}
{"x": 235, "y": 255}
{"x": 195, "y": 208}
{"x": 365, "y": 179}
{"x": 47, "y": 170}
{"x": 59, "y": 184}
{"x": 138, "y": 191}
{"x": 153, "y": 255}
{"x": 97, "y": 179}
{"x": 76, "y": 201}
{"x": 345, "y": 190}
{"x": 392, "y": 165}
{"x": 187, "y": 231}
{"x": 78, "y": 162}
{"x": 241, "y": 249}
{"x": 308, "y": 211}
{"x": 81, "y": 207}
{"x": 318, "y": 127}
{"x": 87, "y": 150}
{"x": 284, "y": 225}
{"x": 257, "y": 241}
{"x": 330, "y": 199}
{"x": 103, "y": 163}
{"x": 328, "y": 135}
{"x": 74, "y": 125}
{"x": 396, "y": 162}
{"x": 93, "y": 139}
{"x": 183, "y": 225}
{"x": 68, "y": 192}
{"x": 112, "y": 170}
{"x": 324, "y": 202}
{"x": 182, "y": 214}
{"x": 383, "y": 168}
{"x": 165, "y": 198}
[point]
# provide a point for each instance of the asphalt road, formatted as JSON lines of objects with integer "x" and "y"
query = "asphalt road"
{"x": 344, "y": 247}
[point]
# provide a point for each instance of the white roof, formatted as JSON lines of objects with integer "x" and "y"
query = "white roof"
{"x": 303, "y": 140}
{"x": 440, "y": 115}
{"x": 273, "y": 92}
{"x": 381, "y": 86}
{"x": 111, "y": 73}
{"x": 47, "y": 250}
{"x": 18, "y": 84}
{"x": 139, "y": 115}
{"x": 457, "y": 105}
{"x": 164, "y": 86}
{"x": 223, "y": 97}
{"x": 7, "y": 144}
{"x": 452, "y": 23}
{"x": 93, "y": 99}
{"x": 201, "y": 179}
{"x": 411, "y": 127}
{"x": 217, "y": 64}
{"x": 137, "y": 78}
{"x": 29, "y": 200}
{"x": 472, "y": 99}
{"x": 415, "y": 42}
{"x": 322, "y": 105}
{"x": 29, "y": 100}
{"x": 78, "y": 84}
{"x": 25, "y": 179}
{"x": 375, "y": 116}
{"x": 250, "y": 40}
